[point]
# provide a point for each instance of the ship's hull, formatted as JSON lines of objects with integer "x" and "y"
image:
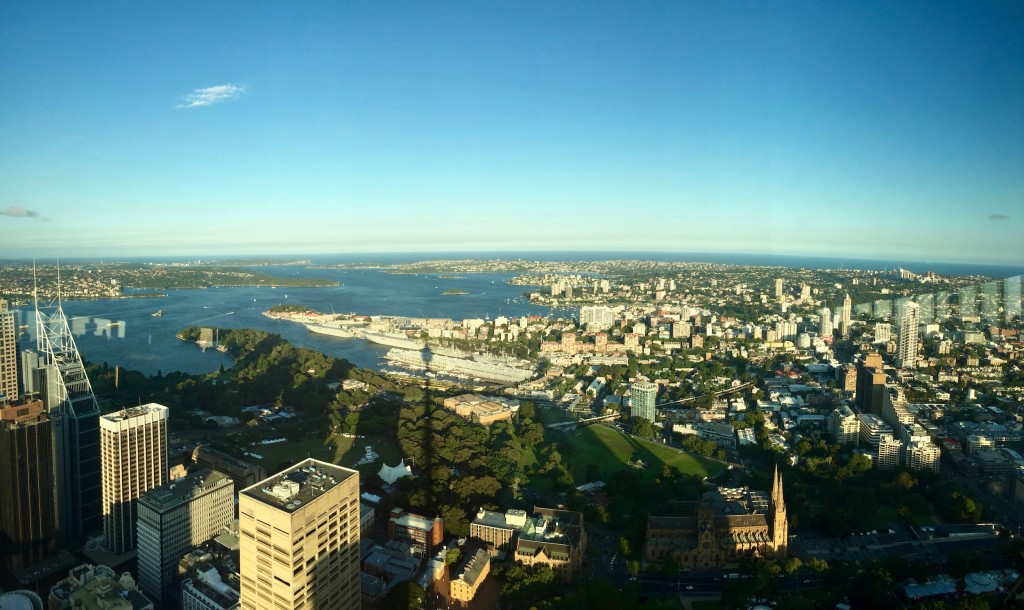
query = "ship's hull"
{"x": 391, "y": 340}
{"x": 331, "y": 331}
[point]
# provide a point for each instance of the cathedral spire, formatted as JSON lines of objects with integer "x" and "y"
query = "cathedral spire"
{"x": 777, "y": 499}
{"x": 777, "y": 522}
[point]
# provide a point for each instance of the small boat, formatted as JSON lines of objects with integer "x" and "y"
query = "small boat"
{"x": 157, "y": 313}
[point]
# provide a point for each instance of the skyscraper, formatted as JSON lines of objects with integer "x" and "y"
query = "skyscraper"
{"x": 299, "y": 539}
{"x": 906, "y": 354}
{"x": 644, "y": 394}
{"x": 778, "y": 289}
{"x": 67, "y": 395}
{"x": 28, "y": 520}
{"x": 176, "y": 517}
{"x": 8, "y": 354}
{"x": 844, "y": 323}
{"x": 825, "y": 326}
{"x": 134, "y": 445}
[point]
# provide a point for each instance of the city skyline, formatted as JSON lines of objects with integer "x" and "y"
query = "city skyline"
{"x": 874, "y": 131}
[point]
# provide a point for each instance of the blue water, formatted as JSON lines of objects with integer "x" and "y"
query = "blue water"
{"x": 141, "y": 342}
{"x": 761, "y": 260}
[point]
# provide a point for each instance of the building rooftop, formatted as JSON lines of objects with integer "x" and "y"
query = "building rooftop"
{"x": 552, "y": 526}
{"x": 99, "y": 588}
{"x": 220, "y": 455}
{"x": 513, "y": 519}
{"x": 473, "y": 566}
{"x": 182, "y": 490}
{"x": 210, "y": 583}
{"x": 413, "y": 521}
{"x": 297, "y": 486}
{"x": 133, "y": 412}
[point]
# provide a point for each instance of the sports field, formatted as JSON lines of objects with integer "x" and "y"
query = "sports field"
{"x": 610, "y": 450}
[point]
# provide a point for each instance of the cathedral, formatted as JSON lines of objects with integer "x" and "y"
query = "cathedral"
{"x": 727, "y": 525}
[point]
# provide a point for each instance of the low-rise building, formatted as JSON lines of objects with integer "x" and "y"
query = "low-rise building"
{"x": 482, "y": 409}
{"x": 424, "y": 535}
{"x": 210, "y": 579}
{"x": 242, "y": 473}
{"x": 496, "y": 529}
{"x": 209, "y": 591}
{"x": 88, "y": 586}
{"x": 993, "y": 461}
{"x": 367, "y": 517}
{"x": 555, "y": 538}
{"x": 467, "y": 578}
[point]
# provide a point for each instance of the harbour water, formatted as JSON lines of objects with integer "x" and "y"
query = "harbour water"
{"x": 124, "y": 332}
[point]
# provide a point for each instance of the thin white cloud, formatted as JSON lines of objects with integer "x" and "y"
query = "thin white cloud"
{"x": 208, "y": 96}
{"x": 19, "y": 212}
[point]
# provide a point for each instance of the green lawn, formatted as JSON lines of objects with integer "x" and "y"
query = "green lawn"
{"x": 610, "y": 449}
{"x": 335, "y": 450}
{"x": 292, "y": 452}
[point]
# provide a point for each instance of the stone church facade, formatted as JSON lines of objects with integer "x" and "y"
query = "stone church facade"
{"x": 727, "y": 525}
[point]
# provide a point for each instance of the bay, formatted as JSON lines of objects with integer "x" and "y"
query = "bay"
{"x": 124, "y": 332}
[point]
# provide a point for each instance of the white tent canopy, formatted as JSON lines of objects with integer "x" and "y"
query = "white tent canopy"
{"x": 390, "y": 474}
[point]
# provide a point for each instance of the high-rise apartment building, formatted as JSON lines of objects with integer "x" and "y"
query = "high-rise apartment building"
{"x": 785, "y": 330}
{"x": 299, "y": 538}
{"x": 176, "y": 517}
{"x": 59, "y": 377}
{"x": 906, "y": 350}
{"x": 28, "y": 520}
{"x": 8, "y": 354}
{"x": 642, "y": 403}
{"x": 894, "y": 407}
{"x": 778, "y": 289}
{"x": 844, "y": 426}
{"x": 870, "y": 384}
{"x": 844, "y": 324}
{"x": 888, "y": 452}
{"x": 872, "y": 429}
{"x": 923, "y": 455}
{"x": 134, "y": 452}
{"x": 825, "y": 324}
{"x": 597, "y": 317}
{"x": 883, "y": 332}
{"x": 846, "y": 379}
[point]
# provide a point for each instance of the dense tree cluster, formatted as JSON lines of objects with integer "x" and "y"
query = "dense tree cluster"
{"x": 448, "y": 449}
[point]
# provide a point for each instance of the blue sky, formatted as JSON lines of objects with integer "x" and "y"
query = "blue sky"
{"x": 874, "y": 130}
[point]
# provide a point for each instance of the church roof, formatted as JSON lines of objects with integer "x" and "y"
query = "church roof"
{"x": 672, "y": 523}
